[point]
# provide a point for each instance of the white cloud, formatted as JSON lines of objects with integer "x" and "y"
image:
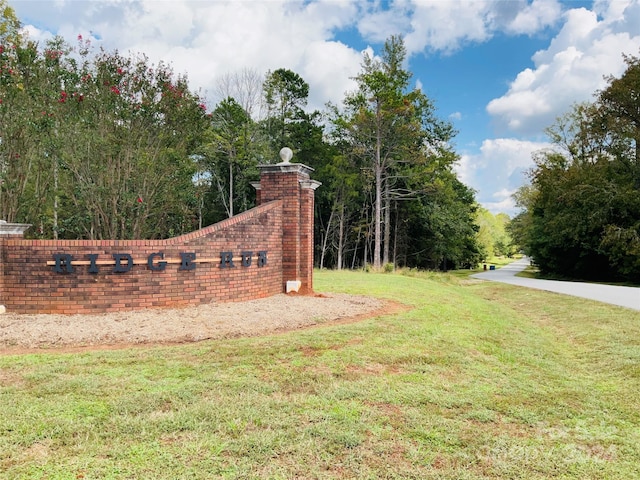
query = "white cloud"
{"x": 534, "y": 17}
{"x": 329, "y": 67}
{"x": 572, "y": 69}
{"x": 377, "y": 25}
{"x": 498, "y": 170}
{"x": 208, "y": 39}
{"x": 214, "y": 38}
{"x": 445, "y": 26}
{"x": 36, "y": 35}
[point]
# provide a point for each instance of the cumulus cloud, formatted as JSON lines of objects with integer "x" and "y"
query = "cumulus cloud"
{"x": 213, "y": 38}
{"x": 588, "y": 47}
{"x": 329, "y": 83}
{"x": 376, "y": 25}
{"x": 498, "y": 170}
{"x": 534, "y": 17}
{"x": 437, "y": 26}
{"x": 210, "y": 39}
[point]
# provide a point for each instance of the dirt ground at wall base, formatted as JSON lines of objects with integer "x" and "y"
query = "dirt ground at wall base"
{"x": 21, "y": 333}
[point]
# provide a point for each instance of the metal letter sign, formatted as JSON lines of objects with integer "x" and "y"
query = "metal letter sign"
{"x": 187, "y": 261}
{"x": 119, "y": 267}
{"x": 93, "y": 268}
{"x": 156, "y": 262}
{"x": 63, "y": 260}
{"x": 160, "y": 266}
{"x": 246, "y": 258}
{"x": 226, "y": 260}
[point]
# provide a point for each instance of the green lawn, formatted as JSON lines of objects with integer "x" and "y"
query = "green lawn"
{"x": 475, "y": 380}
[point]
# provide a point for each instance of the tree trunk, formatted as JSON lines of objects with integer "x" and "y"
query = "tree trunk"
{"x": 378, "y": 202}
{"x": 55, "y": 199}
{"x": 340, "y": 237}
{"x": 230, "y": 185}
{"x": 326, "y": 239}
{"x": 387, "y": 223}
{"x": 395, "y": 236}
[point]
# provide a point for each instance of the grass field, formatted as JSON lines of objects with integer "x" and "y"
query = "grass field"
{"x": 476, "y": 380}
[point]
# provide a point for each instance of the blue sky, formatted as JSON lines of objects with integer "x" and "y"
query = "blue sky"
{"x": 500, "y": 70}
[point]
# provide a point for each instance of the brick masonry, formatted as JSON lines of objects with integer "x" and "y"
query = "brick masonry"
{"x": 220, "y": 263}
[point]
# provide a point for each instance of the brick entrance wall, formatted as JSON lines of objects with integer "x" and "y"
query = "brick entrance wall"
{"x": 251, "y": 255}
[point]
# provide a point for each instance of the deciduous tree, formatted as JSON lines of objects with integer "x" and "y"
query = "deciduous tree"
{"x": 394, "y": 132}
{"x": 96, "y": 145}
{"x": 582, "y": 218}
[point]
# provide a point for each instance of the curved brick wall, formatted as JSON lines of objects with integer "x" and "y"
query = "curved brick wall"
{"x": 251, "y": 255}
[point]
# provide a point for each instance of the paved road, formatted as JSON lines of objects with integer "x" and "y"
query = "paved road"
{"x": 623, "y": 296}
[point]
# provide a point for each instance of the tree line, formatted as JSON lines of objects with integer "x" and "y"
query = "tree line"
{"x": 100, "y": 145}
{"x": 581, "y": 210}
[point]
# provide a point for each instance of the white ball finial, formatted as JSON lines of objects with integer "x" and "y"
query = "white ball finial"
{"x": 286, "y": 154}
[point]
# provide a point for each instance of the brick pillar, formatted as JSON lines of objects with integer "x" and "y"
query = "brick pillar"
{"x": 7, "y": 230}
{"x": 2, "y": 260}
{"x": 291, "y": 182}
{"x": 307, "y": 197}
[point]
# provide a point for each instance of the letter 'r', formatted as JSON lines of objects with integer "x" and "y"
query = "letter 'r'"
{"x": 63, "y": 263}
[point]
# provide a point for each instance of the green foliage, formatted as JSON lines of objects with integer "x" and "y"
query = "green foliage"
{"x": 443, "y": 233}
{"x": 285, "y": 94}
{"x": 103, "y": 145}
{"x": 493, "y": 235}
{"x": 96, "y": 145}
{"x": 582, "y": 216}
{"x": 406, "y": 203}
{"x": 9, "y": 25}
{"x": 229, "y": 158}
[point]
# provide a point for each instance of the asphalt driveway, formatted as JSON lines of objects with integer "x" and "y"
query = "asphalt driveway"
{"x": 628, "y": 297}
